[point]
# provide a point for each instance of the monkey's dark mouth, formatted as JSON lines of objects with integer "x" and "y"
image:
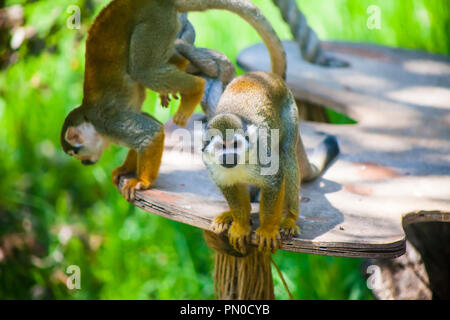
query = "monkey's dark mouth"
{"x": 87, "y": 162}
{"x": 229, "y": 160}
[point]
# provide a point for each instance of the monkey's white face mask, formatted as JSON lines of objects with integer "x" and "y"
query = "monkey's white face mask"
{"x": 234, "y": 150}
{"x": 88, "y": 145}
{"x": 242, "y": 154}
{"x": 229, "y": 161}
{"x": 226, "y": 153}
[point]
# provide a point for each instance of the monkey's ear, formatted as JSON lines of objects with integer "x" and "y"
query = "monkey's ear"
{"x": 74, "y": 136}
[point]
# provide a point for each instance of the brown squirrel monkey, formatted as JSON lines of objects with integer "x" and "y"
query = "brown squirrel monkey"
{"x": 255, "y": 108}
{"x": 132, "y": 46}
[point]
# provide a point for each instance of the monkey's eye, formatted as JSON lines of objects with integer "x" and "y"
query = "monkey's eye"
{"x": 76, "y": 149}
{"x": 206, "y": 144}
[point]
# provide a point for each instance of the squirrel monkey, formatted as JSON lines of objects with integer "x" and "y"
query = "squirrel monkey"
{"x": 251, "y": 105}
{"x": 132, "y": 46}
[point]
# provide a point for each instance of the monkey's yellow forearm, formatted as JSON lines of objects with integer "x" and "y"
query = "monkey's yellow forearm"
{"x": 128, "y": 167}
{"x": 238, "y": 216}
{"x": 149, "y": 161}
{"x": 271, "y": 212}
{"x": 148, "y": 164}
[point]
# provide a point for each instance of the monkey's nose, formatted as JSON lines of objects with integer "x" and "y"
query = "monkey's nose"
{"x": 229, "y": 160}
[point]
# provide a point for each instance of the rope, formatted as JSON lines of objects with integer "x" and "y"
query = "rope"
{"x": 291, "y": 297}
{"x": 305, "y": 36}
{"x": 238, "y": 277}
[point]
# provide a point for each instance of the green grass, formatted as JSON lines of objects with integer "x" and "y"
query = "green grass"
{"x": 55, "y": 213}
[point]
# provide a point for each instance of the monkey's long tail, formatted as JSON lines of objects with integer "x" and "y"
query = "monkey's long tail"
{"x": 323, "y": 154}
{"x": 250, "y": 13}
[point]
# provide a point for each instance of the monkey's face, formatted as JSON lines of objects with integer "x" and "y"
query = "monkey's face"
{"x": 85, "y": 143}
{"x": 80, "y": 139}
{"x": 227, "y": 152}
{"x": 229, "y": 160}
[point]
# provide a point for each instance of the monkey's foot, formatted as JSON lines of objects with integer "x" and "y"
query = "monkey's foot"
{"x": 181, "y": 118}
{"x": 269, "y": 239}
{"x": 222, "y": 223}
{"x": 289, "y": 229}
{"x": 129, "y": 189}
{"x": 239, "y": 237}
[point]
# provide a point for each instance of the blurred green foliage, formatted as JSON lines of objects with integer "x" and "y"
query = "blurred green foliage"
{"x": 55, "y": 213}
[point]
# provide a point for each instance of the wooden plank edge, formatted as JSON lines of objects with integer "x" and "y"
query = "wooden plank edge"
{"x": 426, "y": 216}
{"x": 388, "y": 250}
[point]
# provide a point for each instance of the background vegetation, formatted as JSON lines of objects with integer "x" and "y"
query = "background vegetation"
{"x": 55, "y": 213}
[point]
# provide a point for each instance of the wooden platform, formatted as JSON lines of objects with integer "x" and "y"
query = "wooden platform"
{"x": 394, "y": 166}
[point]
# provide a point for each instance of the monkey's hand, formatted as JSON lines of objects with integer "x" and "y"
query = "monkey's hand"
{"x": 268, "y": 238}
{"x": 119, "y": 173}
{"x": 131, "y": 186}
{"x": 128, "y": 167}
{"x": 289, "y": 229}
{"x": 239, "y": 236}
{"x": 222, "y": 222}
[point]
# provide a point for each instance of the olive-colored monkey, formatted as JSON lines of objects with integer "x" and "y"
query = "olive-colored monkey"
{"x": 132, "y": 46}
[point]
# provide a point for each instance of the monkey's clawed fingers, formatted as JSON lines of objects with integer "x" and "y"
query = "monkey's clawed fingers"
{"x": 117, "y": 174}
{"x": 289, "y": 233}
{"x": 222, "y": 223}
{"x": 129, "y": 189}
{"x": 239, "y": 237}
{"x": 220, "y": 227}
{"x": 269, "y": 241}
{"x": 289, "y": 229}
{"x": 165, "y": 100}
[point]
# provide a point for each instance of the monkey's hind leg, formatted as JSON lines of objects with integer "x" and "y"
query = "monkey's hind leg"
{"x": 239, "y": 216}
{"x": 161, "y": 74}
{"x": 191, "y": 97}
{"x": 168, "y": 79}
{"x": 148, "y": 164}
{"x": 271, "y": 211}
{"x": 128, "y": 167}
{"x": 179, "y": 61}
